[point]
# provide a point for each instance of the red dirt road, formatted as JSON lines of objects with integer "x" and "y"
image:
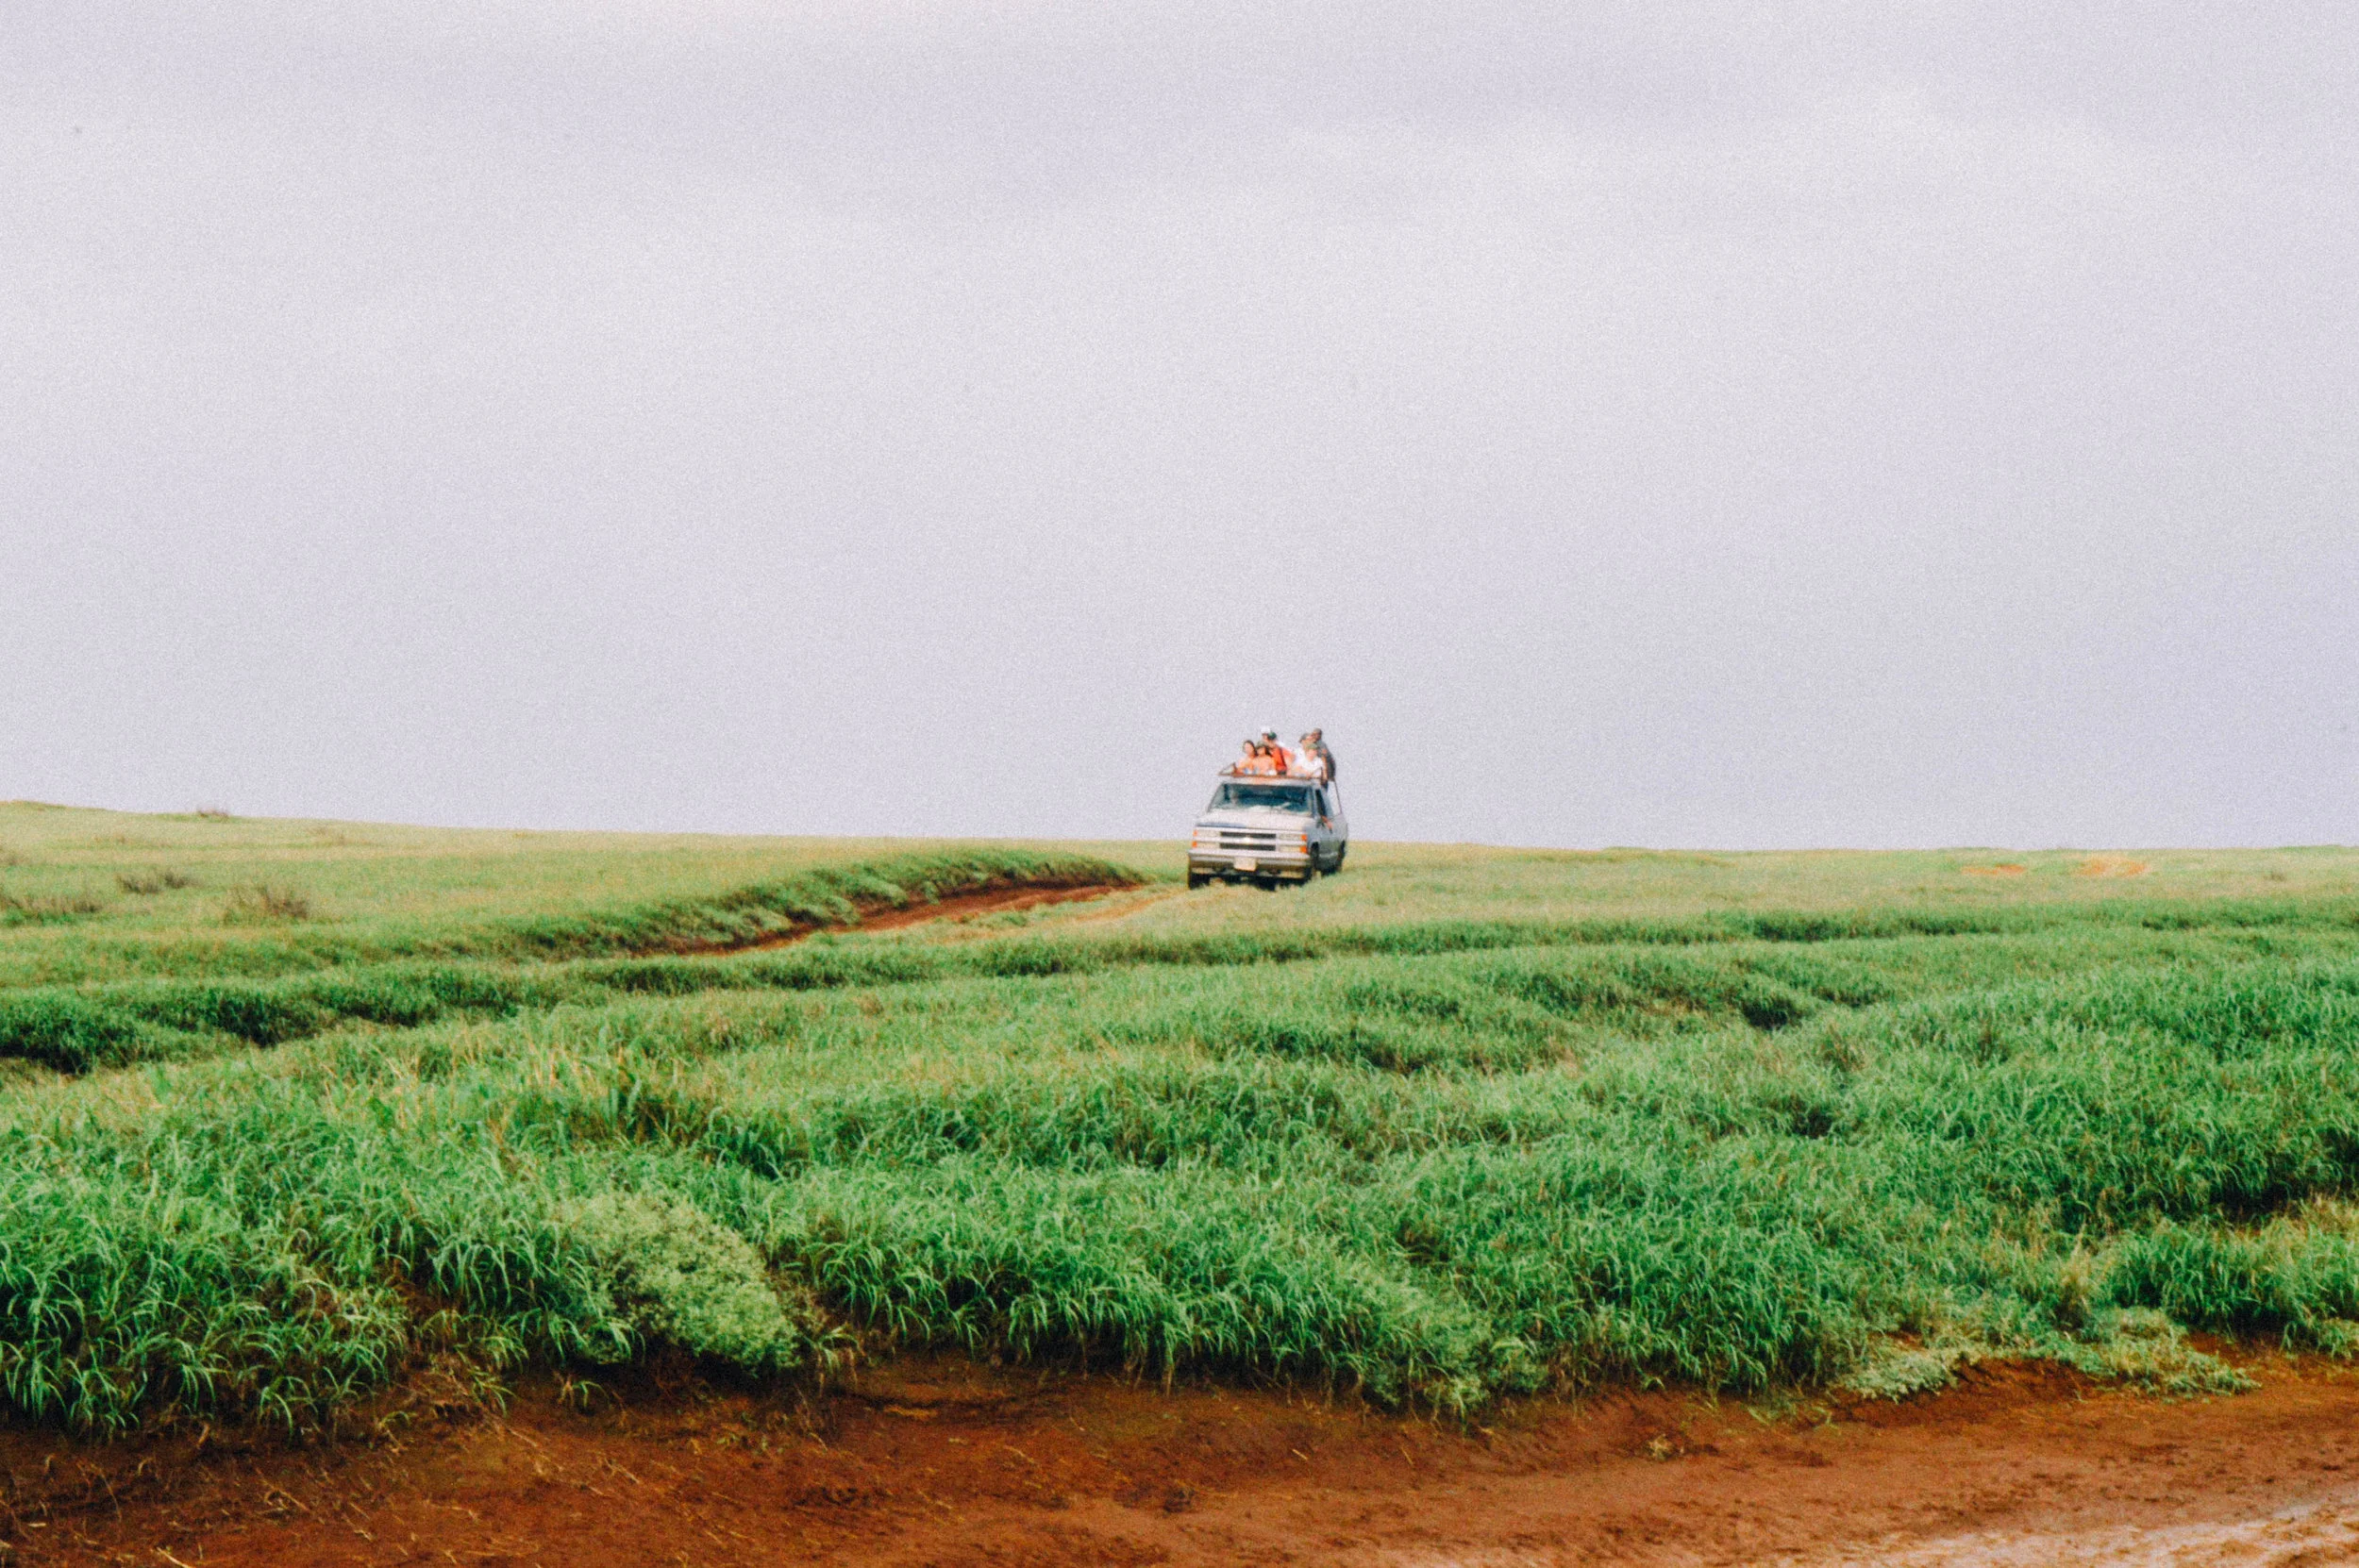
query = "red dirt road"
{"x": 942, "y": 1463}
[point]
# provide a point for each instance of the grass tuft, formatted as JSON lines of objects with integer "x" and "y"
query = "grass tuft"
{"x": 47, "y": 909}
{"x": 146, "y": 884}
{"x": 264, "y": 904}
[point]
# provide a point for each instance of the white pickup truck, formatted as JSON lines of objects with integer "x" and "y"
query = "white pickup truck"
{"x": 1266, "y": 829}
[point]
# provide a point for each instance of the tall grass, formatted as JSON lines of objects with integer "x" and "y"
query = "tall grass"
{"x": 1438, "y": 1159}
{"x": 1439, "y": 1178}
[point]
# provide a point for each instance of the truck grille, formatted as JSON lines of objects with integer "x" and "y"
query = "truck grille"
{"x": 1246, "y": 840}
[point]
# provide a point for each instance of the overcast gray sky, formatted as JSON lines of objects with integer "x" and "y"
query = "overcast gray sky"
{"x": 1730, "y": 425}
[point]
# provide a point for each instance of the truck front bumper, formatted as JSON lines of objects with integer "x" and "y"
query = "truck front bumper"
{"x": 1257, "y": 866}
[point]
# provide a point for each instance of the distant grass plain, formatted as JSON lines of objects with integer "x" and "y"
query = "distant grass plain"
{"x": 289, "y": 1110}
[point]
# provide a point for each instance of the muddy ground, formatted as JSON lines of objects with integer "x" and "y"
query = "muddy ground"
{"x": 942, "y": 1462}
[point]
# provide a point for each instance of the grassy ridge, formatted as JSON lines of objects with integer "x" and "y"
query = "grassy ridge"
{"x": 94, "y": 896}
{"x": 1443, "y": 1159}
{"x": 783, "y": 907}
{"x": 77, "y": 1029}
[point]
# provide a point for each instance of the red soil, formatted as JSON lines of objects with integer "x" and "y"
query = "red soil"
{"x": 965, "y": 906}
{"x": 940, "y": 1462}
{"x": 887, "y": 917}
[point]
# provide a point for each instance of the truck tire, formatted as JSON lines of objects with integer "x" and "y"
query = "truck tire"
{"x": 1195, "y": 881}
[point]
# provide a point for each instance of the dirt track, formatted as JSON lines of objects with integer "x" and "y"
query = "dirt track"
{"x": 888, "y": 917}
{"x": 963, "y": 906}
{"x": 941, "y": 1463}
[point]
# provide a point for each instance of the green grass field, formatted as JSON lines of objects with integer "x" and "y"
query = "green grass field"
{"x": 290, "y": 1109}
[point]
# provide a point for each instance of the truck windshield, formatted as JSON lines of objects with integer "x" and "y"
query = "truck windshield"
{"x": 1237, "y": 796}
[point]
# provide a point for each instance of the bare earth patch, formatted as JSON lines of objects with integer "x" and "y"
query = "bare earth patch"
{"x": 960, "y": 906}
{"x": 2109, "y": 865}
{"x": 2006, "y": 869}
{"x": 944, "y": 1463}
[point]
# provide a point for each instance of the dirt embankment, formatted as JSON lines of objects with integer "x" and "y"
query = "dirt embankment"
{"x": 888, "y": 917}
{"x": 966, "y": 905}
{"x": 944, "y": 1463}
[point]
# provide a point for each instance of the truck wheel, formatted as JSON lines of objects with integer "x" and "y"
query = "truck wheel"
{"x": 1339, "y": 861}
{"x": 1195, "y": 881}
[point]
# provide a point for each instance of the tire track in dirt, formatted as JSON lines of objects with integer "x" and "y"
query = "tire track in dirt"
{"x": 2307, "y": 1534}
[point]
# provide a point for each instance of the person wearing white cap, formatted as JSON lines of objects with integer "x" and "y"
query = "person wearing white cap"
{"x": 1278, "y": 754}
